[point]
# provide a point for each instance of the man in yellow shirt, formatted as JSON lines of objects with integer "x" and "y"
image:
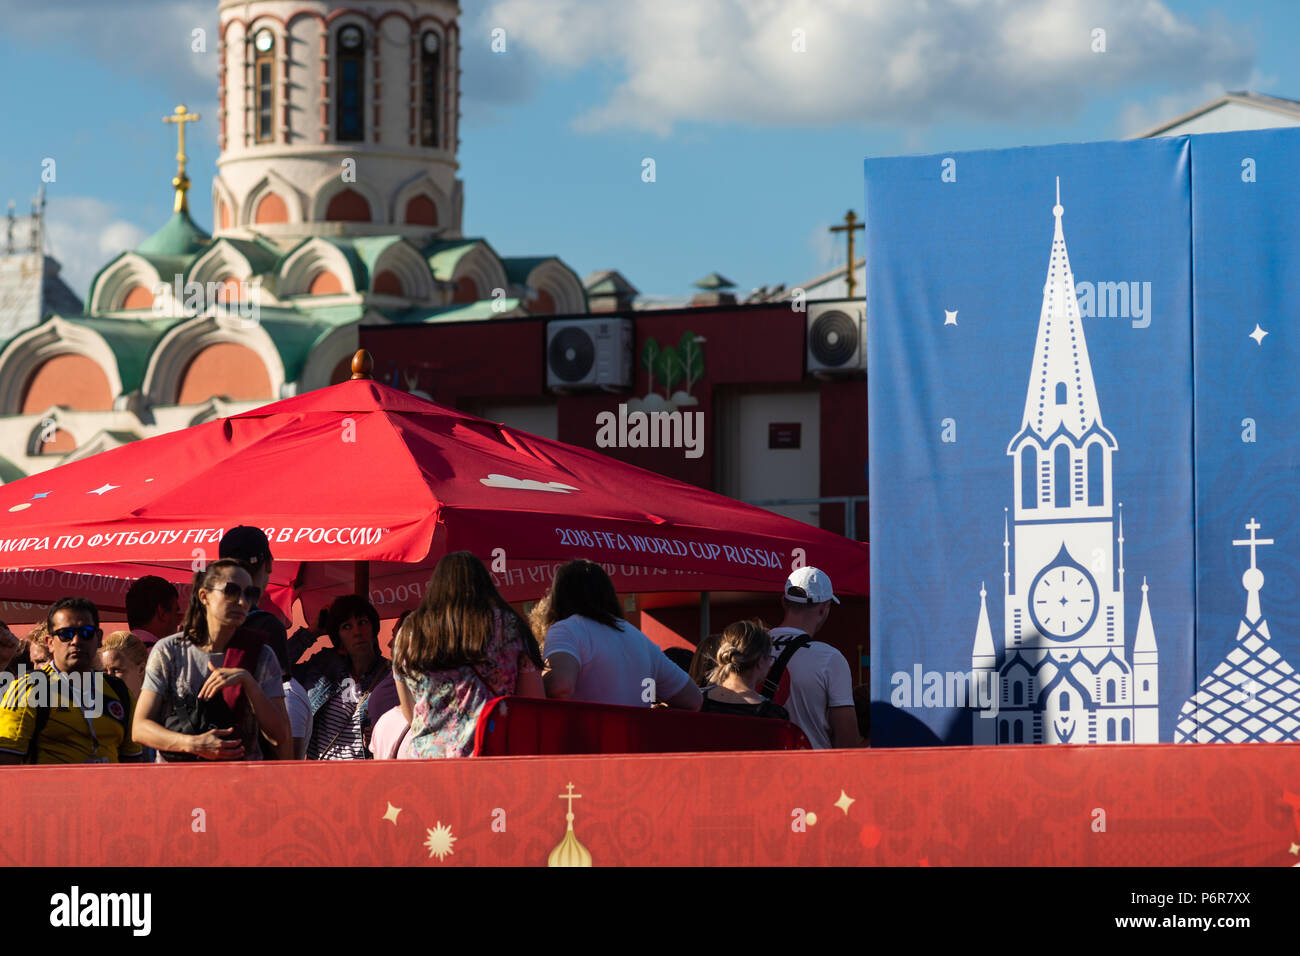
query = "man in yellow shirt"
{"x": 66, "y": 711}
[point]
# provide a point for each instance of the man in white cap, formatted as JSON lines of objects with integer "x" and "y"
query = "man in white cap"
{"x": 820, "y": 697}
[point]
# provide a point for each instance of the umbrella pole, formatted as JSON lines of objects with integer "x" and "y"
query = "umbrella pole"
{"x": 361, "y": 579}
{"x": 704, "y": 615}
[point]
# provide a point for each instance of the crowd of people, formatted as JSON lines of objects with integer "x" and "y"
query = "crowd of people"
{"x": 229, "y": 682}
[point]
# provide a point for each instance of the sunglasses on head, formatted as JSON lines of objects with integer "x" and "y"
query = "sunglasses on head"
{"x": 234, "y": 592}
{"x": 69, "y": 634}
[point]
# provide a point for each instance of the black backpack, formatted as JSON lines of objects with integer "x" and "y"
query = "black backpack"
{"x": 772, "y": 682}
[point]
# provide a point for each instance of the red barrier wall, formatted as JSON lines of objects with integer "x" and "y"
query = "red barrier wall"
{"x": 1193, "y": 805}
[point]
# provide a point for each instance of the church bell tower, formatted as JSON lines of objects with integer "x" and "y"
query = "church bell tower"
{"x": 338, "y": 119}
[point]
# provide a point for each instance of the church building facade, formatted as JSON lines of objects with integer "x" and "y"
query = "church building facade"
{"x": 336, "y": 203}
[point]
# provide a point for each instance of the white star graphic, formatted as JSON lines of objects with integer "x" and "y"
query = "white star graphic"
{"x": 103, "y": 489}
{"x": 949, "y": 317}
{"x": 1258, "y": 335}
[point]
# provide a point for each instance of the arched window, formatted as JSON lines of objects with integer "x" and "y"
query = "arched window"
{"x": 263, "y": 85}
{"x": 1110, "y": 692}
{"x": 1020, "y": 732}
{"x": 1061, "y": 477}
{"x": 1003, "y": 732}
{"x": 350, "y": 70}
{"x": 1064, "y": 700}
{"x": 1110, "y": 729}
{"x": 271, "y": 209}
{"x": 1096, "y": 475}
{"x": 429, "y": 89}
{"x": 348, "y": 205}
{"x": 1028, "y": 477}
{"x": 1018, "y": 693}
{"x": 1125, "y": 729}
{"x": 421, "y": 211}
{"x": 1146, "y": 685}
{"x": 1060, "y": 393}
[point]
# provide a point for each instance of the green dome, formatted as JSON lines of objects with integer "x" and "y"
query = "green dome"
{"x": 180, "y": 237}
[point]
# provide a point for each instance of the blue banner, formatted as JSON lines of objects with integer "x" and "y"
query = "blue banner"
{"x": 1031, "y": 421}
{"x": 1246, "y": 272}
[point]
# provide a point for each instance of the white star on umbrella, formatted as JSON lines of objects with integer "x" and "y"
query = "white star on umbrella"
{"x": 949, "y": 317}
{"x": 1258, "y": 335}
{"x": 103, "y": 489}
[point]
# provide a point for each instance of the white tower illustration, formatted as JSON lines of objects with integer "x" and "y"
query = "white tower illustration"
{"x": 1254, "y": 693}
{"x": 1064, "y": 676}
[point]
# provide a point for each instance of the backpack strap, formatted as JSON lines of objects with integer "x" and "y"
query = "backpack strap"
{"x": 244, "y": 650}
{"x": 124, "y": 698}
{"x": 773, "y": 680}
{"x": 42, "y": 718}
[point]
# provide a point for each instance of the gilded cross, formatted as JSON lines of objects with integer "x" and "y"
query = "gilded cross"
{"x": 571, "y": 796}
{"x": 851, "y": 225}
{"x": 180, "y": 116}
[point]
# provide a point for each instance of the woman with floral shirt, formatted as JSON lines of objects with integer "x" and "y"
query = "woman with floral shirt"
{"x": 462, "y": 647}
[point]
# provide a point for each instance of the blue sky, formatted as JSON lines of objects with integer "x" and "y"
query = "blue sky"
{"x": 758, "y": 148}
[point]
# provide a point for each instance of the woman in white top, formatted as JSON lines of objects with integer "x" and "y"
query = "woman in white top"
{"x": 593, "y": 654}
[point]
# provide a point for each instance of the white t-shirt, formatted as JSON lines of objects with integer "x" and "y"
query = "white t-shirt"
{"x": 819, "y": 680}
{"x": 298, "y": 704}
{"x": 614, "y": 663}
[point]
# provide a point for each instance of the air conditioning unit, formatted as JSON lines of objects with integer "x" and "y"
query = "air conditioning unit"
{"x": 589, "y": 354}
{"x": 837, "y": 337}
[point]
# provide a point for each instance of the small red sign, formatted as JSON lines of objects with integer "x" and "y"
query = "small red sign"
{"x": 783, "y": 434}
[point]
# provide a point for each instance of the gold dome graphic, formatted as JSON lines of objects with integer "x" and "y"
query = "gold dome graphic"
{"x": 570, "y": 852}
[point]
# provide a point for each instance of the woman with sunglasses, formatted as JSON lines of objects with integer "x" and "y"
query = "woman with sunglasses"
{"x": 209, "y": 690}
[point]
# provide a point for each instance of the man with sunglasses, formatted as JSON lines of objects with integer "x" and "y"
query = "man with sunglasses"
{"x": 67, "y": 712}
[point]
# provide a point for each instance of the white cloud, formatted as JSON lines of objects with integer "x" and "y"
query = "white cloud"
{"x": 1138, "y": 117}
{"x": 865, "y": 60}
{"x": 824, "y": 247}
{"x": 139, "y": 37}
{"x": 83, "y": 234}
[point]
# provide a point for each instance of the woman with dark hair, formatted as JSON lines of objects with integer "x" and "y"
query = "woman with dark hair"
{"x": 595, "y": 655}
{"x": 463, "y": 646}
{"x": 339, "y": 683}
{"x": 209, "y": 690}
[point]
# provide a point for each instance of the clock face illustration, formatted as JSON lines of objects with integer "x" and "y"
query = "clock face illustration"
{"x": 1063, "y": 599}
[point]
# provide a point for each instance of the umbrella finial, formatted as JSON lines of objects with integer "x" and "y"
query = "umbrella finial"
{"x": 362, "y": 364}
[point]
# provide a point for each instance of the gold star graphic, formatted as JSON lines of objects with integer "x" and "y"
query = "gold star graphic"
{"x": 844, "y": 802}
{"x": 392, "y": 813}
{"x": 440, "y": 841}
{"x": 1295, "y": 848}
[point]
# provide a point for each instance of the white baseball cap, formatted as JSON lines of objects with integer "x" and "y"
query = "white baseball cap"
{"x": 809, "y": 586}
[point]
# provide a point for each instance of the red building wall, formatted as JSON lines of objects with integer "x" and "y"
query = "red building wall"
{"x": 754, "y": 346}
